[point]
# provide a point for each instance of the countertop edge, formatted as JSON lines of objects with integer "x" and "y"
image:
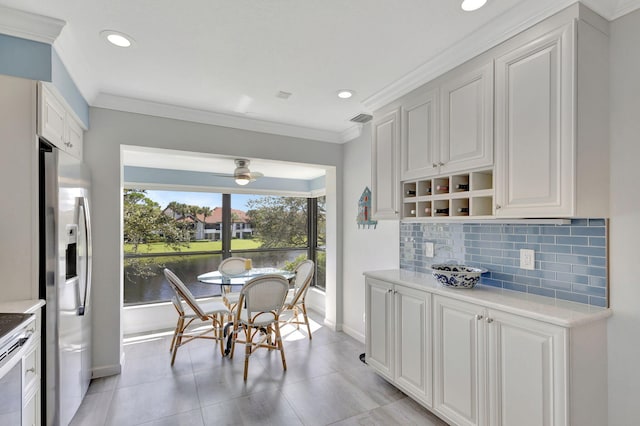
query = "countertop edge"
{"x": 27, "y": 306}
{"x": 566, "y": 314}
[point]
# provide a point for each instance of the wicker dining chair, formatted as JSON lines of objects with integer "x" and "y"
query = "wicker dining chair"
{"x": 212, "y": 312}
{"x": 258, "y": 315}
{"x": 295, "y": 301}
{"x": 229, "y": 267}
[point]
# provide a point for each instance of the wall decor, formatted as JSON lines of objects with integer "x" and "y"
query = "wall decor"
{"x": 364, "y": 210}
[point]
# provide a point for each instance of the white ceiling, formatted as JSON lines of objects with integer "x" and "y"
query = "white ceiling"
{"x": 229, "y": 58}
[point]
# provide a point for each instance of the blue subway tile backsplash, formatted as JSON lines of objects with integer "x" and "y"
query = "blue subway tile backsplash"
{"x": 571, "y": 260}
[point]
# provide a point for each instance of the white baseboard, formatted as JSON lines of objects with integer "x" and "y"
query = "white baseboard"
{"x": 353, "y": 333}
{"x": 107, "y": 370}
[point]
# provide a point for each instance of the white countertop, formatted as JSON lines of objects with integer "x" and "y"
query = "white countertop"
{"x": 547, "y": 309}
{"x": 21, "y": 306}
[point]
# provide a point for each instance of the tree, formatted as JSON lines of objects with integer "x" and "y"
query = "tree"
{"x": 144, "y": 221}
{"x": 279, "y": 221}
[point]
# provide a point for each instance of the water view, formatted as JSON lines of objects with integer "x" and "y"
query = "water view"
{"x": 144, "y": 280}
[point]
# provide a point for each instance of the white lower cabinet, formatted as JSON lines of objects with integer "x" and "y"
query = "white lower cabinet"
{"x": 495, "y": 359}
{"x": 399, "y": 337}
{"x": 495, "y": 368}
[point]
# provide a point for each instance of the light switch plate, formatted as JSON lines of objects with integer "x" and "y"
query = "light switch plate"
{"x": 527, "y": 259}
{"x": 429, "y": 249}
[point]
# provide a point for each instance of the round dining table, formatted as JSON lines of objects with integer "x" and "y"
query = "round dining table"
{"x": 238, "y": 280}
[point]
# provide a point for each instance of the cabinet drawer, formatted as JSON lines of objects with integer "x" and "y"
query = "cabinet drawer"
{"x": 31, "y": 368}
{"x": 30, "y": 410}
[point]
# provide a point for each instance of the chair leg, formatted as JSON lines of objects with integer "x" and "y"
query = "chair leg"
{"x": 218, "y": 324}
{"x": 295, "y": 316}
{"x": 234, "y": 336}
{"x": 175, "y": 333}
{"x": 306, "y": 319}
{"x": 276, "y": 327}
{"x": 178, "y": 341}
{"x": 247, "y": 351}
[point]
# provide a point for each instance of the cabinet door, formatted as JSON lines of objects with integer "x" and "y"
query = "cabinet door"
{"x": 458, "y": 357}
{"x": 31, "y": 409}
{"x": 51, "y": 118}
{"x": 467, "y": 120}
{"x": 535, "y": 164}
{"x": 526, "y": 371}
{"x": 419, "y": 148}
{"x": 384, "y": 155}
{"x": 413, "y": 343}
{"x": 73, "y": 142}
{"x": 379, "y": 326}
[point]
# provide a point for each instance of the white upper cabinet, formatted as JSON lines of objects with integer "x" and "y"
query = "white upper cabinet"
{"x": 552, "y": 122}
{"x": 56, "y": 124}
{"x": 531, "y": 112}
{"x": 384, "y": 170}
{"x": 535, "y": 115}
{"x": 419, "y": 148}
{"x": 466, "y": 111}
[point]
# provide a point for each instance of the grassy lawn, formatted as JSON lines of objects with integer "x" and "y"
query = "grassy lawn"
{"x": 194, "y": 246}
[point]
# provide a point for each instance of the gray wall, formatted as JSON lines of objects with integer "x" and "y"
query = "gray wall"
{"x": 364, "y": 249}
{"x": 111, "y": 129}
{"x": 624, "y": 325}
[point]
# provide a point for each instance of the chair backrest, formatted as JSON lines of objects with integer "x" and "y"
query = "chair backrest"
{"x": 182, "y": 292}
{"x": 304, "y": 274}
{"x": 232, "y": 266}
{"x": 264, "y": 294}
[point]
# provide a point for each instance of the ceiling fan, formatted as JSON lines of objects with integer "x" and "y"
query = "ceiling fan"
{"x": 242, "y": 174}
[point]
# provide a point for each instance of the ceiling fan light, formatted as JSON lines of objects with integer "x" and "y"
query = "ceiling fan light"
{"x": 243, "y": 179}
{"x": 471, "y": 5}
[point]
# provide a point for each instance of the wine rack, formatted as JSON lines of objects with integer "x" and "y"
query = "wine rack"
{"x": 451, "y": 196}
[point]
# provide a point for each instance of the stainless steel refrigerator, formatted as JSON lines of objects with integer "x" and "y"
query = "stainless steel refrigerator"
{"x": 65, "y": 282}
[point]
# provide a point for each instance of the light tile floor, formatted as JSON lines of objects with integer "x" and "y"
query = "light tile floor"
{"x": 325, "y": 383}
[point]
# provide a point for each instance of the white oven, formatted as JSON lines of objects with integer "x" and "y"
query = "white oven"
{"x": 16, "y": 331}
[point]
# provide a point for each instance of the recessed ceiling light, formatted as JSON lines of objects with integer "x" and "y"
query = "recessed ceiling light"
{"x": 345, "y": 94}
{"x": 117, "y": 38}
{"x": 471, "y": 5}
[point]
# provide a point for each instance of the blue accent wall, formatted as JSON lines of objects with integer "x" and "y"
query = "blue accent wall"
{"x": 39, "y": 61}
{"x": 190, "y": 178}
{"x": 68, "y": 89}
{"x": 570, "y": 260}
{"x": 25, "y": 58}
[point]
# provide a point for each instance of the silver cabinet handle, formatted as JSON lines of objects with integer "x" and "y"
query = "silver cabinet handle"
{"x": 31, "y": 370}
{"x": 479, "y": 317}
{"x": 440, "y": 164}
{"x": 434, "y": 165}
{"x": 390, "y": 291}
{"x": 489, "y": 320}
{"x": 498, "y": 206}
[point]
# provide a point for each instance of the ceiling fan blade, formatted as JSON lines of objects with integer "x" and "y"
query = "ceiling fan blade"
{"x": 227, "y": 175}
{"x": 255, "y": 175}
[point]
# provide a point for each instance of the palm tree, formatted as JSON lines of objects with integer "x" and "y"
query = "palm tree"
{"x": 206, "y": 212}
{"x": 174, "y": 207}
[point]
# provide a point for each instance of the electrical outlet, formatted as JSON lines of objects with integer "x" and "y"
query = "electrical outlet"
{"x": 429, "y": 249}
{"x": 527, "y": 259}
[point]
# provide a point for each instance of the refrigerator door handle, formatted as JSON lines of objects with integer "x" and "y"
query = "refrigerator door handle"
{"x": 83, "y": 211}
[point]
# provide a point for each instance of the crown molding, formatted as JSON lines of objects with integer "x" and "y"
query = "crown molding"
{"x": 351, "y": 133}
{"x": 139, "y": 106}
{"x": 30, "y": 26}
{"x": 623, "y": 7}
{"x": 507, "y": 25}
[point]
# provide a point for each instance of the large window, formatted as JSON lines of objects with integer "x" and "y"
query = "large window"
{"x": 190, "y": 233}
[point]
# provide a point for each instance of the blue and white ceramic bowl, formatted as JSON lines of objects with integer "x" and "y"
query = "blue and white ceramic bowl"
{"x": 456, "y": 276}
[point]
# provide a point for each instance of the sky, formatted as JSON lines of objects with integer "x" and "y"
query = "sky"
{"x": 201, "y": 199}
